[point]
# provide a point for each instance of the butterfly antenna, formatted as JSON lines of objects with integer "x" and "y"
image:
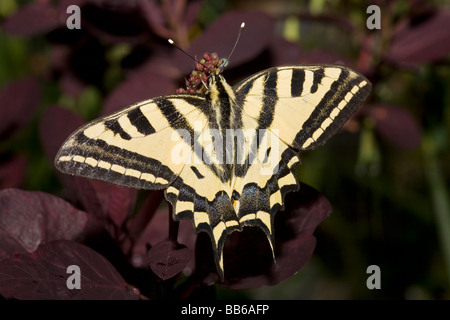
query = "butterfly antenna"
{"x": 173, "y": 43}
{"x": 237, "y": 40}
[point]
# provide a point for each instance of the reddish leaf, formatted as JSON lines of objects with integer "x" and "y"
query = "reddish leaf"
{"x": 141, "y": 219}
{"x": 115, "y": 21}
{"x": 118, "y": 203}
{"x": 154, "y": 16}
{"x": 43, "y": 275}
{"x": 99, "y": 197}
{"x": 283, "y": 52}
{"x": 62, "y": 5}
{"x": 320, "y": 56}
{"x": 427, "y": 41}
{"x": 157, "y": 231}
{"x": 33, "y": 19}
{"x": 192, "y": 9}
{"x": 60, "y": 60}
{"x": 255, "y": 37}
{"x": 29, "y": 219}
{"x": 184, "y": 13}
{"x": 168, "y": 258}
{"x": 59, "y": 56}
{"x": 396, "y": 125}
{"x": 71, "y": 84}
{"x": 55, "y": 127}
{"x": 105, "y": 200}
{"x": 12, "y": 172}
{"x": 19, "y": 102}
{"x": 140, "y": 86}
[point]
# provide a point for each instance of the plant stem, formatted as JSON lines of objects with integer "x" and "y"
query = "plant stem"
{"x": 173, "y": 227}
{"x": 440, "y": 198}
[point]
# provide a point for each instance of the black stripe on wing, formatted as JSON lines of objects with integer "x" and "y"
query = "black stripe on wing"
{"x": 141, "y": 123}
{"x": 334, "y": 96}
{"x": 101, "y": 151}
{"x": 297, "y": 80}
{"x": 177, "y": 121}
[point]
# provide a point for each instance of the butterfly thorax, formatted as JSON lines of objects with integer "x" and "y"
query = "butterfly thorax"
{"x": 223, "y": 101}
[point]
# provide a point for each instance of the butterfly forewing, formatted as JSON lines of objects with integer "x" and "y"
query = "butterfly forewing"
{"x": 136, "y": 147}
{"x": 304, "y": 105}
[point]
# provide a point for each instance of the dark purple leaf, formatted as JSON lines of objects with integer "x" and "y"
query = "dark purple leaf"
{"x": 158, "y": 231}
{"x": 119, "y": 203}
{"x": 106, "y": 201}
{"x": 248, "y": 259}
{"x": 221, "y": 35}
{"x": 159, "y": 15}
{"x": 55, "y": 127}
{"x": 283, "y": 52}
{"x": 142, "y": 85}
{"x": 192, "y": 10}
{"x": 323, "y": 57}
{"x": 60, "y": 63}
{"x": 141, "y": 219}
{"x": 43, "y": 275}
{"x": 71, "y": 84}
{"x": 115, "y": 21}
{"x": 29, "y": 218}
{"x": 33, "y": 19}
{"x": 396, "y": 125}
{"x": 19, "y": 102}
{"x": 99, "y": 198}
{"x": 153, "y": 13}
{"x": 12, "y": 172}
{"x": 168, "y": 258}
{"x": 59, "y": 56}
{"x": 427, "y": 41}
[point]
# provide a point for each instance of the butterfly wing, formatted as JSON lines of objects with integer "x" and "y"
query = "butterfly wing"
{"x": 290, "y": 109}
{"x": 303, "y": 105}
{"x": 141, "y": 146}
{"x": 163, "y": 143}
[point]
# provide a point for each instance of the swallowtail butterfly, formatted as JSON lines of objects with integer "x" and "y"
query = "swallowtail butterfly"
{"x": 224, "y": 157}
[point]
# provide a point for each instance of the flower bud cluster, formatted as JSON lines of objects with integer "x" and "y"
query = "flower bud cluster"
{"x": 196, "y": 83}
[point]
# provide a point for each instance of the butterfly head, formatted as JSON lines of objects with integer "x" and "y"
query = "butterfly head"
{"x": 206, "y": 70}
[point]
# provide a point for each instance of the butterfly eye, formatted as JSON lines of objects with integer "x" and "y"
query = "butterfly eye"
{"x": 224, "y": 63}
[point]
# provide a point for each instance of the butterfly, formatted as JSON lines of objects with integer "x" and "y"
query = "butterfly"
{"x": 224, "y": 157}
